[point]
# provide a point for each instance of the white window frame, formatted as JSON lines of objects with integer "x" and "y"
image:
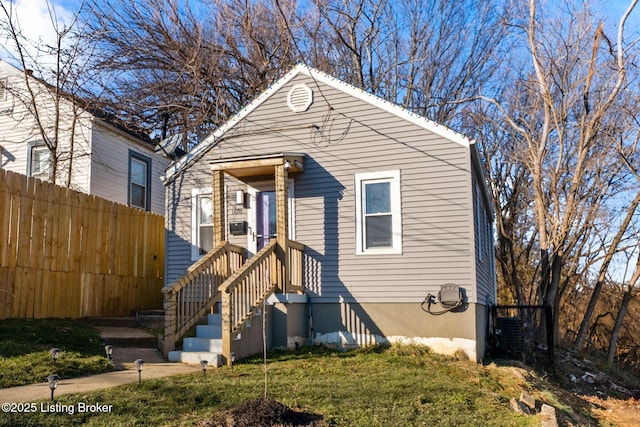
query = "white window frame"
{"x": 35, "y": 147}
{"x": 196, "y": 193}
{"x": 146, "y": 186}
{"x": 393, "y": 177}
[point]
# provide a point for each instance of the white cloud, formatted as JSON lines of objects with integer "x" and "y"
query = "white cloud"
{"x": 35, "y": 20}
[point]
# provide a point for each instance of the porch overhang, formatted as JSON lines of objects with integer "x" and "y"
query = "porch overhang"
{"x": 257, "y": 166}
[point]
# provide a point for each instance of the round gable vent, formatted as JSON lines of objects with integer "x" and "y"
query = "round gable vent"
{"x": 299, "y": 98}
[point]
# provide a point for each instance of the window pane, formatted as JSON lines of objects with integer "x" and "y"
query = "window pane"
{"x": 206, "y": 210}
{"x": 378, "y": 231}
{"x": 39, "y": 160}
{"x": 138, "y": 196}
{"x": 272, "y": 214}
{"x": 206, "y": 239}
{"x": 138, "y": 172}
{"x": 378, "y": 197}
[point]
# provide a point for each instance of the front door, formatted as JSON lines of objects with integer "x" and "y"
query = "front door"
{"x": 265, "y": 217}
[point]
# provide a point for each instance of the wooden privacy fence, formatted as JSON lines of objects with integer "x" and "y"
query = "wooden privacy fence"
{"x": 68, "y": 254}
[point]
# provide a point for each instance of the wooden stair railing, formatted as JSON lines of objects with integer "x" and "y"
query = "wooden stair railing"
{"x": 190, "y": 297}
{"x": 245, "y": 291}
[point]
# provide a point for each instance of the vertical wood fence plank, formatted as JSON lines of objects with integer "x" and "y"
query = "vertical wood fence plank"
{"x": 5, "y": 217}
{"x": 66, "y": 254}
{"x": 6, "y": 292}
{"x": 17, "y": 186}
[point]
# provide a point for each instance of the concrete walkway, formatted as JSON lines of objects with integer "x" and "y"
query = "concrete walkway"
{"x": 154, "y": 367}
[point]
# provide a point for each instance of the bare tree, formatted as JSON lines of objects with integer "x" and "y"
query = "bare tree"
{"x": 628, "y": 293}
{"x": 51, "y": 86}
{"x": 425, "y": 56}
{"x": 564, "y": 101}
{"x": 185, "y": 68}
{"x": 178, "y": 67}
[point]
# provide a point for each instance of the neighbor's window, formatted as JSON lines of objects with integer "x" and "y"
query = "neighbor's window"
{"x": 39, "y": 161}
{"x": 139, "y": 181}
{"x": 378, "y": 213}
{"x": 202, "y": 223}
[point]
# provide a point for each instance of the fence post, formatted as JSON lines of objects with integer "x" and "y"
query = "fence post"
{"x": 170, "y": 308}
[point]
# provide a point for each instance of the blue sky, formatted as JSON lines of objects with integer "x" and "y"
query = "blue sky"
{"x": 36, "y": 23}
{"x": 34, "y": 19}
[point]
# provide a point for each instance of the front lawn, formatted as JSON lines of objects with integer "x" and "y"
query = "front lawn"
{"x": 400, "y": 386}
{"x": 25, "y": 345}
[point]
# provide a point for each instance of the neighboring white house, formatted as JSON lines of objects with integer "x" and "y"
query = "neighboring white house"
{"x": 104, "y": 159}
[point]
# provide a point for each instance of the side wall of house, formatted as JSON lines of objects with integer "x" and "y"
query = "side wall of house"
{"x": 484, "y": 241}
{"x": 19, "y": 130}
{"x": 110, "y": 167}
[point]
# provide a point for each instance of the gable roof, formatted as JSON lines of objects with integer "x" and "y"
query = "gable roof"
{"x": 319, "y": 77}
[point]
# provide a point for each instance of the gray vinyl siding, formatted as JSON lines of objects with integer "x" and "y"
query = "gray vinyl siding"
{"x": 178, "y": 218}
{"x": 484, "y": 248}
{"x": 352, "y": 137}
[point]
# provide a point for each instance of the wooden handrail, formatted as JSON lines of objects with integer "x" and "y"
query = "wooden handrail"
{"x": 191, "y": 296}
{"x": 249, "y": 286}
{"x": 242, "y": 288}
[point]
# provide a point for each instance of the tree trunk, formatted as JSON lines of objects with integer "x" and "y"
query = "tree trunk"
{"x": 584, "y": 325}
{"x": 626, "y": 297}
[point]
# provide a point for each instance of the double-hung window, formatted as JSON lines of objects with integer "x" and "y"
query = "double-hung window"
{"x": 202, "y": 223}
{"x": 378, "y": 213}
{"x": 139, "y": 181}
{"x": 39, "y": 161}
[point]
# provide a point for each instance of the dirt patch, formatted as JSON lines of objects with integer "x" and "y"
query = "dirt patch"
{"x": 264, "y": 413}
{"x": 619, "y": 412}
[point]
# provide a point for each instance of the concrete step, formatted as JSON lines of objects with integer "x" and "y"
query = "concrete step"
{"x": 214, "y": 320}
{"x": 208, "y": 331}
{"x": 150, "y": 319}
{"x": 195, "y": 344}
{"x": 126, "y": 337}
{"x": 206, "y": 345}
{"x": 214, "y": 359}
{"x": 124, "y": 357}
{"x": 123, "y": 322}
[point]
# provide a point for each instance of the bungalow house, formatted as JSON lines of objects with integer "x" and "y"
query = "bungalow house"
{"x": 94, "y": 155}
{"x": 340, "y": 218}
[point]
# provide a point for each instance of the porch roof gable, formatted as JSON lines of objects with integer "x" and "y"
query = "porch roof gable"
{"x": 250, "y": 166}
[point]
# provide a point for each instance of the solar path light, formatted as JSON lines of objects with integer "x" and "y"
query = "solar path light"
{"x": 53, "y": 383}
{"x": 139, "y": 363}
{"x": 233, "y": 359}
{"x": 55, "y": 352}
{"x": 108, "y": 349}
